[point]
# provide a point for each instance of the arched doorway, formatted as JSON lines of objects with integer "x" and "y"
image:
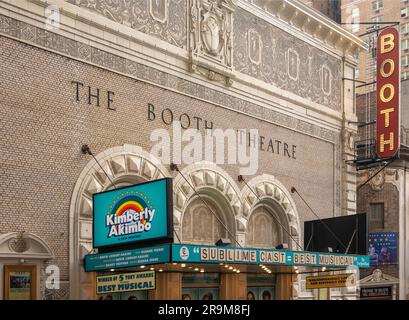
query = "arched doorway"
{"x": 269, "y": 218}
{"x": 203, "y": 223}
{"x": 206, "y": 216}
{"x": 24, "y": 267}
{"x": 125, "y": 165}
{"x": 263, "y": 228}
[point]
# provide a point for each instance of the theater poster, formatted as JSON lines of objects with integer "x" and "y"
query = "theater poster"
{"x": 20, "y": 282}
{"x": 383, "y": 248}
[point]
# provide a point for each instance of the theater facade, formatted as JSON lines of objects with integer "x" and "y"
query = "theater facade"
{"x": 109, "y": 75}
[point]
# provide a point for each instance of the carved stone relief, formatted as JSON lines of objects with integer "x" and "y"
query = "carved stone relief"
{"x": 159, "y": 10}
{"x": 259, "y": 47}
{"x": 378, "y": 181}
{"x": 262, "y": 230}
{"x": 211, "y": 36}
{"x": 349, "y": 141}
{"x": 326, "y": 80}
{"x": 164, "y": 19}
{"x": 255, "y": 45}
{"x": 293, "y": 63}
{"x": 200, "y": 225}
{"x": 319, "y": 74}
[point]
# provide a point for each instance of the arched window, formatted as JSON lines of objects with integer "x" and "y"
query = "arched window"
{"x": 201, "y": 226}
{"x": 263, "y": 229}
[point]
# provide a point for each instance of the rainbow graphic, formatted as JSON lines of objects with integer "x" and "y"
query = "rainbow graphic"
{"x": 134, "y": 203}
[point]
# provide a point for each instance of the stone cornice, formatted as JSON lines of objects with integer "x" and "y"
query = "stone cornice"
{"x": 308, "y": 20}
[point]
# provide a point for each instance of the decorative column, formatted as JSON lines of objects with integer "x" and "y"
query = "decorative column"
{"x": 168, "y": 286}
{"x": 233, "y": 286}
{"x": 348, "y": 134}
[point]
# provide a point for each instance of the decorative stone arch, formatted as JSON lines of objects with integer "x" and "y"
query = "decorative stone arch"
{"x": 127, "y": 164}
{"x": 380, "y": 279}
{"x": 267, "y": 187}
{"x": 24, "y": 246}
{"x": 207, "y": 178}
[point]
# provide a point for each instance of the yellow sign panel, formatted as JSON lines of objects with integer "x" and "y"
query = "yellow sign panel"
{"x": 126, "y": 282}
{"x": 331, "y": 281}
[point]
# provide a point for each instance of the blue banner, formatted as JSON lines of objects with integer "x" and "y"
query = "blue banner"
{"x": 133, "y": 214}
{"x": 383, "y": 248}
{"x": 127, "y": 258}
{"x": 209, "y": 254}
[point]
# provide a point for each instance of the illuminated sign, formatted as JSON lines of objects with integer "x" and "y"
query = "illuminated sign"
{"x": 133, "y": 214}
{"x": 388, "y": 85}
{"x": 127, "y": 258}
{"x": 210, "y": 254}
{"x": 331, "y": 281}
{"x": 383, "y": 248}
{"x": 189, "y": 253}
{"x": 126, "y": 282}
{"x": 376, "y": 292}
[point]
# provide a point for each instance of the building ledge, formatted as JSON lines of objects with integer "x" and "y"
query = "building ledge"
{"x": 310, "y": 21}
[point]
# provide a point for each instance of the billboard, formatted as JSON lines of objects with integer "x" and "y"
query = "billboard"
{"x": 377, "y": 292}
{"x": 383, "y": 248}
{"x": 134, "y": 214}
{"x": 331, "y": 281}
{"x": 349, "y": 229}
{"x": 388, "y": 87}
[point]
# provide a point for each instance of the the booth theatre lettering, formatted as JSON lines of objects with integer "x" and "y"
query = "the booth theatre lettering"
{"x": 266, "y": 144}
{"x": 167, "y": 116}
{"x": 97, "y": 97}
{"x": 93, "y": 96}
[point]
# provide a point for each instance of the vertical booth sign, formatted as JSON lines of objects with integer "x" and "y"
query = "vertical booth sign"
{"x": 388, "y": 87}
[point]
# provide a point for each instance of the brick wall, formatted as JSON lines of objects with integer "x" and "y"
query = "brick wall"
{"x": 43, "y": 127}
{"x": 389, "y": 195}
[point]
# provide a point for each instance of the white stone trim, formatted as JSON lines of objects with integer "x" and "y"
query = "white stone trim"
{"x": 291, "y": 50}
{"x": 38, "y": 249}
{"x": 304, "y": 12}
{"x": 205, "y": 176}
{"x": 260, "y": 45}
{"x": 166, "y": 12}
{"x": 119, "y": 162}
{"x": 268, "y": 187}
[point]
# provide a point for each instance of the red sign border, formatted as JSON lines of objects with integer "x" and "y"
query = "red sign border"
{"x": 396, "y": 77}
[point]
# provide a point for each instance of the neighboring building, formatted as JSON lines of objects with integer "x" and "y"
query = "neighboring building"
{"x": 384, "y": 199}
{"x": 92, "y": 72}
{"x": 372, "y": 11}
{"x": 331, "y": 8}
